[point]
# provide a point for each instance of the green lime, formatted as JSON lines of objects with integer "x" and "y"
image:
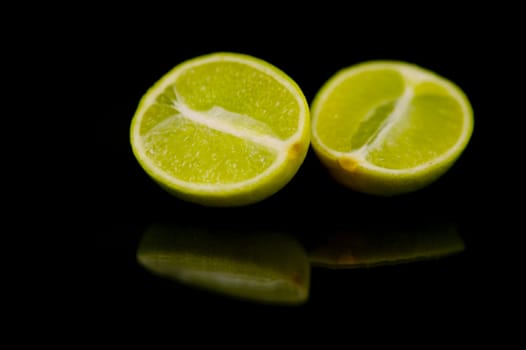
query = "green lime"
{"x": 389, "y": 127}
{"x": 222, "y": 129}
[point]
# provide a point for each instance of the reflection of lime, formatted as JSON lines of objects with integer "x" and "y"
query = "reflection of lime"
{"x": 258, "y": 266}
{"x": 361, "y": 247}
{"x": 222, "y": 129}
{"x": 386, "y": 127}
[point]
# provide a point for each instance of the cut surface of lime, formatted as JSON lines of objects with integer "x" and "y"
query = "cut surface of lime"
{"x": 389, "y": 127}
{"x": 222, "y": 129}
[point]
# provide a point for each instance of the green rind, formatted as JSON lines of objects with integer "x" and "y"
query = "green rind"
{"x": 378, "y": 182}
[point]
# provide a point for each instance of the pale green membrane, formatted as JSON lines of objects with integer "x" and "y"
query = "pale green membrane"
{"x": 154, "y": 115}
{"x": 350, "y": 104}
{"x": 240, "y": 89}
{"x": 370, "y": 126}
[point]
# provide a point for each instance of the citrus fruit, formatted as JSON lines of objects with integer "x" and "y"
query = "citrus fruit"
{"x": 260, "y": 266}
{"x": 222, "y": 129}
{"x": 389, "y": 127}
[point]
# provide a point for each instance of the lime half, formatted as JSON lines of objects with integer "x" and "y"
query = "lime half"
{"x": 223, "y": 129}
{"x": 389, "y": 127}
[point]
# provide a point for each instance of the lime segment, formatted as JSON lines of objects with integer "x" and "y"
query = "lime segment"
{"x": 177, "y": 146}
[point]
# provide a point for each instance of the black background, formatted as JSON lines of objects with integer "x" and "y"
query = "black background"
{"x": 118, "y": 61}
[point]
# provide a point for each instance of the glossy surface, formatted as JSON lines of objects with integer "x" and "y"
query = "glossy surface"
{"x": 442, "y": 294}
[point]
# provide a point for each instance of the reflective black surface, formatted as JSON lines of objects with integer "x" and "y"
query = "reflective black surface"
{"x": 434, "y": 242}
{"x": 417, "y": 251}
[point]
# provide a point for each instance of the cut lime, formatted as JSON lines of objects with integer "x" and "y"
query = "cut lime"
{"x": 222, "y": 129}
{"x": 388, "y": 127}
